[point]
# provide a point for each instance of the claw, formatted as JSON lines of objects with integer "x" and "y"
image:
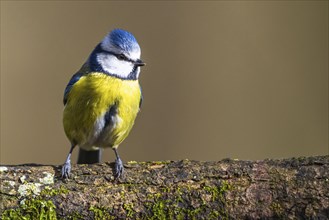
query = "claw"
{"x": 66, "y": 170}
{"x": 118, "y": 169}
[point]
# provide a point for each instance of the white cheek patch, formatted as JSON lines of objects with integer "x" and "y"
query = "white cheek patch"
{"x": 114, "y": 66}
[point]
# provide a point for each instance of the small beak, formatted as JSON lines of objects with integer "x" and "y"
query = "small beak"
{"x": 139, "y": 63}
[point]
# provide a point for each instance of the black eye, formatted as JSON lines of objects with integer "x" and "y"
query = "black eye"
{"x": 121, "y": 57}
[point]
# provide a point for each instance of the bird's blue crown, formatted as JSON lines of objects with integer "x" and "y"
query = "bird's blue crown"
{"x": 123, "y": 40}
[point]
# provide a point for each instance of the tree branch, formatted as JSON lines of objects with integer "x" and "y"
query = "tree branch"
{"x": 228, "y": 189}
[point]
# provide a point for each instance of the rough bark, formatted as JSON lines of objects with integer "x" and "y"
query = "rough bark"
{"x": 295, "y": 188}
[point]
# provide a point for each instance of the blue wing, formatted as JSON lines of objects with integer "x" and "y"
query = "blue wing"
{"x": 75, "y": 78}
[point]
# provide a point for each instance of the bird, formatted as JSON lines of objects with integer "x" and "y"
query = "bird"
{"x": 102, "y": 100}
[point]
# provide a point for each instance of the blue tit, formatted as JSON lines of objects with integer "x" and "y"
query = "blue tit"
{"x": 102, "y": 99}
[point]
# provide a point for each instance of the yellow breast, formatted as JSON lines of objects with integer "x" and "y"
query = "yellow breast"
{"x": 88, "y": 101}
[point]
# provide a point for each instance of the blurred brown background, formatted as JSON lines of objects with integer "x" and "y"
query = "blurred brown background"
{"x": 240, "y": 79}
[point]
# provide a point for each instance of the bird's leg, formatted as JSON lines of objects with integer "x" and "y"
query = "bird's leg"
{"x": 118, "y": 168}
{"x": 66, "y": 168}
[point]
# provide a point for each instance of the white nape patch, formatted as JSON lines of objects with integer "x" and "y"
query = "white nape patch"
{"x": 114, "y": 66}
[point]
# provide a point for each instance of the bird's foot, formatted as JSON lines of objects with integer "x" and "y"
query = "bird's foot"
{"x": 118, "y": 168}
{"x": 66, "y": 169}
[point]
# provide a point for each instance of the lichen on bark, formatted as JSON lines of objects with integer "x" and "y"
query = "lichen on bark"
{"x": 227, "y": 189}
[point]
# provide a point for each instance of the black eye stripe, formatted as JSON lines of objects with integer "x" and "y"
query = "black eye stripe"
{"x": 123, "y": 57}
{"x": 119, "y": 56}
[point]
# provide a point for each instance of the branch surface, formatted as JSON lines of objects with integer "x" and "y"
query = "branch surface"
{"x": 228, "y": 189}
